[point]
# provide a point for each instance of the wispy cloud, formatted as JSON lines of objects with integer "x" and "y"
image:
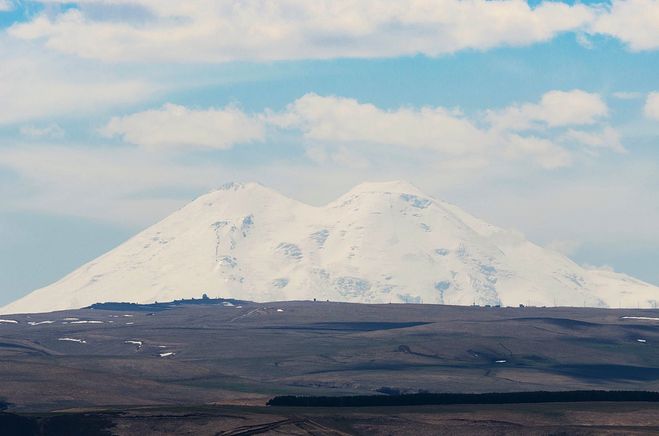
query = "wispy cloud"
{"x": 555, "y": 109}
{"x": 218, "y": 31}
{"x": 49, "y": 131}
{"x": 651, "y": 108}
{"x": 545, "y": 152}
{"x": 607, "y": 138}
{"x": 35, "y": 84}
{"x": 627, "y": 95}
{"x": 175, "y": 126}
{"x": 102, "y": 183}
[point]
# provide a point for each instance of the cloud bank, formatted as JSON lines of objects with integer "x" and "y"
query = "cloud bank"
{"x": 262, "y": 30}
{"x": 347, "y": 121}
{"x": 338, "y": 129}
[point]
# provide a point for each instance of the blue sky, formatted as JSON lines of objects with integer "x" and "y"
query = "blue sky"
{"x": 541, "y": 118}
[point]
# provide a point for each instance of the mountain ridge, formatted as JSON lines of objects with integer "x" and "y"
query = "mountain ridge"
{"x": 380, "y": 242}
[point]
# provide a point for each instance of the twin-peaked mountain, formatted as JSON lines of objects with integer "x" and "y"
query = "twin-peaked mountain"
{"x": 379, "y": 243}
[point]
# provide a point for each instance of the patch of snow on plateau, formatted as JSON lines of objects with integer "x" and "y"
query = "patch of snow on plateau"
{"x": 138, "y": 343}
{"x": 80, "y": 341}
{"x": 643, "y": 318}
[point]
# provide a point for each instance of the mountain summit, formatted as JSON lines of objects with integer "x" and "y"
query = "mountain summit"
{"x": 379, "y": 243}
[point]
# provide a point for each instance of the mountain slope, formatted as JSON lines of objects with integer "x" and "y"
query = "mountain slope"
{"x": 379, "y": 243}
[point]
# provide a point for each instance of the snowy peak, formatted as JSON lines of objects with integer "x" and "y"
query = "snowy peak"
{"x": 232, "y": 200}
{"x": 396, "y": 186}
{"x": 244, "y": 188}
{"x": 386, "y": 190}
{"x": 378, "y": 243}
{"x": 240, "y": 191}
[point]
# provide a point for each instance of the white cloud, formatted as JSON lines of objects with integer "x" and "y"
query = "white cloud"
{"x": 174, "y": 126}
{"x": 584, "y": 40}
{"x": 635, "y": 22}
{"x": 50, "y": 131}
{"x": 555, "y": 109}
{"x": 217, "y": 31}
{"x": 6, "y": 6}
{"x": 545, "y": 152}
{"x": 347, "y": 121}
{"x": 262, "y": 30}
{"x": 627, "y": 95}
{"x": 651, "y": 108}
{"x": 345, "y": 131}
{"x": 35, "y": 85}
{"x": 607, "y": 138}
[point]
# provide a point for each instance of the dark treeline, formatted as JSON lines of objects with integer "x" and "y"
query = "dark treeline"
{"x": 488, "y": 398}
{"x": 79, "y": 424}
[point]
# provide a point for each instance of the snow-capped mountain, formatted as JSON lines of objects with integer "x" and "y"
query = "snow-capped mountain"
{"x": 379, "y": 243}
